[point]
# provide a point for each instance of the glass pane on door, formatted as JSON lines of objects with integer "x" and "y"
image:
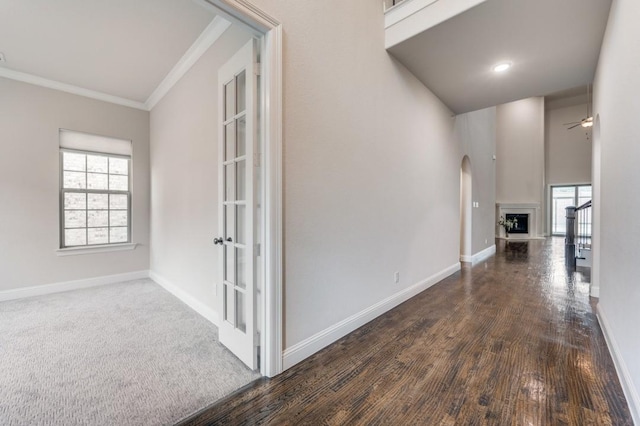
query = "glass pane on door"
{"x": 229, "y": 311}
{"x": 241, "y": 86}
{"x": 240, "y": 224}
{"x": 563, "y": 197}
{"x": 229, "y": 172}
{"x": 229, "y": 264}
{"x": 229, "y": 100}
{"x": 228, "y": 222}
{"x": 229, "y": 142}
{"x": 241, "y": 315}
{"x": 241, "y": 179}
{"x": 242, "y": 149}
{"x": 241, "y": 280}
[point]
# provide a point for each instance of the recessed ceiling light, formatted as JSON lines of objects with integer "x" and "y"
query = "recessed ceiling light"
{"x": 502, "y": 67}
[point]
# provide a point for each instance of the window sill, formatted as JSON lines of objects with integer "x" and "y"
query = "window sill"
{"x": 73, "y": 251}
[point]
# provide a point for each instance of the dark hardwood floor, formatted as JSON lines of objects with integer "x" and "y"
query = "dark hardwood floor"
{"x": 512, "y": 341}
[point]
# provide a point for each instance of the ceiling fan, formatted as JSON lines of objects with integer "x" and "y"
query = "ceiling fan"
{"x": 585, "y": 122}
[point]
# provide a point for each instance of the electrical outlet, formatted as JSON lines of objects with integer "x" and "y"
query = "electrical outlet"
{"x": 396, "y": 277}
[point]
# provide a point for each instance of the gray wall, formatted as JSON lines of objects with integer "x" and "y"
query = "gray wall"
{"x": 520, "y": 153}
{"x": 371, "y": 168}
{"x": 30, "y": 117}
{"x": 476, "y": 133}
{"x": 184, "y": 155}
{"x": 567, "y": 152}
{"x": 616, "y": 197}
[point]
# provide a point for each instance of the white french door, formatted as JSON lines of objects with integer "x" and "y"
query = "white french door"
{"x": 237, "y": 88}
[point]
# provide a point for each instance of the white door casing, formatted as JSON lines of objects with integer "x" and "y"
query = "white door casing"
{"x": 237, "y": 85}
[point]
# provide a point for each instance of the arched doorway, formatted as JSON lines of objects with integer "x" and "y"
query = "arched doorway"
{"x": 465, "y": 210}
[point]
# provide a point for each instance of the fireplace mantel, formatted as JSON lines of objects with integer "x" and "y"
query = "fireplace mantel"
{"x": 518, "y": 205}
{"x": 532, "y": 209}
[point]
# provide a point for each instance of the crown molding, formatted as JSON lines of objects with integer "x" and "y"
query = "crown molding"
{"x": 209, "y": 36}
{"x": 242, "y": 12}
{"x": 69, "y": 88}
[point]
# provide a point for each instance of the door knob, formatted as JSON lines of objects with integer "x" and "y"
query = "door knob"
{"x": 218, "y": 241}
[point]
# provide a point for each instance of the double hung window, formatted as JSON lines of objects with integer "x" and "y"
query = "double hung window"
{"x": 95, "y": 190}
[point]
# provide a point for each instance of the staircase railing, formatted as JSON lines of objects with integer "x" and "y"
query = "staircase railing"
{"x": 388, "y": 4}
{"x": 578, "y": 237}
{"x": 569, "y": 238}
{"x": 583, "y": 228}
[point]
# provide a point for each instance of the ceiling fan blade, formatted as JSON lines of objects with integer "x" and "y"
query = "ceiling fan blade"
{"x": 573, "y": 122}
{"x": 574, "y": 126}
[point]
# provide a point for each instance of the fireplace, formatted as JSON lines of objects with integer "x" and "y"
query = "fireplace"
{"x": 522, "y": 225}
{"x": 528, "y": 215}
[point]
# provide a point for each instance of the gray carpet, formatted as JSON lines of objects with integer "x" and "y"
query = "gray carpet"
{"x": 122, "y": 354}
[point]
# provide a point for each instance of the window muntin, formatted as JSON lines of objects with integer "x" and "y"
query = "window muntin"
{"x": 95, "y": 198}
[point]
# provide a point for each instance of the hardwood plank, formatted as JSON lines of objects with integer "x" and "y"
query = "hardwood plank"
{"x": 513, "y": 340}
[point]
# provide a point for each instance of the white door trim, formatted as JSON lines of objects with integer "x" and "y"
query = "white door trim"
{"x": 270, "y": 32}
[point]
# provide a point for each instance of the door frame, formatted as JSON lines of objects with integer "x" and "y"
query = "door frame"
{"x": 269, "y": 32}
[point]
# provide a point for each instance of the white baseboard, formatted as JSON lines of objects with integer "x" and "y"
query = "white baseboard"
{"x": 313, "y": 344}
{"x": 186, "y": 298}
{"x": 479, "y": 256}
{"x": 40, "y": 290}
{"x": 630, "y": 391}
{"x": 483, "y": 255}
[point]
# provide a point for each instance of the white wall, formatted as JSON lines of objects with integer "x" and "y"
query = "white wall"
{"x": 520, "y": 153}
{"x": 476, "y": 133}
{"x": 617, "y": 176}
{"x": 567, "y": 152}
{"x": 30, "y": 117}
{"x": 371, "y": 169}
{"x": 184, "y": 155}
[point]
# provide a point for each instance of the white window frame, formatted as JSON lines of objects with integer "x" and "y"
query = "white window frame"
{"x": 576, "y": 197}
{"x": 93, "y": 247}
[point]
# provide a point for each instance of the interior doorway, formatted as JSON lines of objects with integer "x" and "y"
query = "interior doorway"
{"x": 268, "y": 257}
{"x": 465, "y": 210}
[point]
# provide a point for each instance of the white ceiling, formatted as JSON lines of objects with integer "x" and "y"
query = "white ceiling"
{"x": 569, "y": 97}
{"x": 553, "y": 44}
{"x": 123, "y": 48}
